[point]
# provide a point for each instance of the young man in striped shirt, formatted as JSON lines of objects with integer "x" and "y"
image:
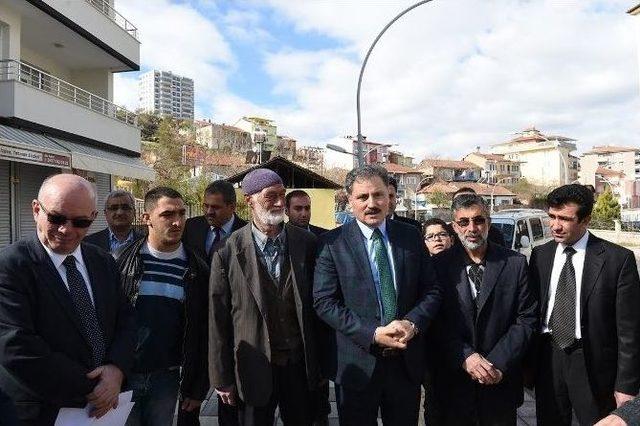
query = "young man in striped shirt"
{"x": 167, "y": 284}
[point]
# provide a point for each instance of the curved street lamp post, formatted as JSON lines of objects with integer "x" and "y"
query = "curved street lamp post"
{"x": 360, "y": 154}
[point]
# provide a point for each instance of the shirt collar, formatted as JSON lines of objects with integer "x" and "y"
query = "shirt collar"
{"x": 580, "y": 245}
{"x": 261, "y": 238}
{"x": 57, "y": 259}
{"x": 367, "y": 231}
{"x": 226, "y": 227}
{"x": 113, "y": 238}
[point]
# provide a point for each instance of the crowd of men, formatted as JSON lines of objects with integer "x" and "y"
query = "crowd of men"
{"x": 266, "y": 313}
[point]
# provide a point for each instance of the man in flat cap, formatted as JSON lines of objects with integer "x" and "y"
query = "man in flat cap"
{"x": 261, "y": 319}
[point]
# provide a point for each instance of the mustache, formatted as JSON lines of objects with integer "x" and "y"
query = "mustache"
{"x": 373, "y": 210}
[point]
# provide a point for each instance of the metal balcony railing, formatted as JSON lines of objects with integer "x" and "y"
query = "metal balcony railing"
{"x": 11, "y": 70}
{"x": 104, "y": 7}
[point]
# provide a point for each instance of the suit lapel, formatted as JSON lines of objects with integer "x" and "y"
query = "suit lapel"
{"x": 248, "y": 261}
{"x": 50, "y": 278}
{"x": 354, "y": 241}
{"x": 493, "y": 268}
{"x": 296, "y": 255}
{"x": 545, "y": 260}
{"x": 593, "y": 263}
{"x": 459, "y": 275}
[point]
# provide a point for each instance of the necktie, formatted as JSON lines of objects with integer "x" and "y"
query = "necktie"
{"x": 476, "y": 273}
{"x": 85, "y": 309}
{"x": 216, "y": 238}
{"x": 563, "y": 316}
{"x": 387, "y": 290}
{"x": 272, "y": 251}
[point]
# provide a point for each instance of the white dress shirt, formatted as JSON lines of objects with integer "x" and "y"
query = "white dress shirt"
{"x": 580, "y": 247}
{"x": 57, "y": 260}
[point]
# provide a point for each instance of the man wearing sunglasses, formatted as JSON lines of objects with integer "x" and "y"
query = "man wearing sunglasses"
{"x": 66, "y": 331}
{"x": 487, "y": 323}
{"x": 119, "y": 210}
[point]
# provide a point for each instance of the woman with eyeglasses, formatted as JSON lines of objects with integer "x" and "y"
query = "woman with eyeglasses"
{"x": 438, "y": 236}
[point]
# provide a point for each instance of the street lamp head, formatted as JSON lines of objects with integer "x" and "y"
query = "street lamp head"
{"x": 338, "y": 148}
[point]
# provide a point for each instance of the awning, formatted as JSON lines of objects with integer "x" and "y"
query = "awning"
{"x": 35, "y": 148}
{"x": 93, "y": 159}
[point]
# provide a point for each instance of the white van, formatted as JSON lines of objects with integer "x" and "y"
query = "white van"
{"x": 523, "y": 229}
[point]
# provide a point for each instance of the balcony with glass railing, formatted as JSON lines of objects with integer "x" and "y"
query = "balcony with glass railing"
{"x": 104, "y": 7}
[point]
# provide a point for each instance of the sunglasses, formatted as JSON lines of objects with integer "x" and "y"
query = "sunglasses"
{"x": 439, "y": 236}
{"x": 59, "y": 219}
{"x": 116, "y": 207}
{"x": 465, "y": 221}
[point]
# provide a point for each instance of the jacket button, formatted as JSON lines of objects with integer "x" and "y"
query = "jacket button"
{"x": 377, "y": 317}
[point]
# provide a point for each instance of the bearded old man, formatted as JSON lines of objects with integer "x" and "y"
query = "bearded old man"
{"x": 261, "y": 319}
{"x": 489, "y": 319}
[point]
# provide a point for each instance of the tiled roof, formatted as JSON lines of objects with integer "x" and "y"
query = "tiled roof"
{"x": 480, "y": 188}
{"x": 448, "y": 164}
{"x": 494, "y": 157}
{"x": 610, "y": 149}
{"x": 608, "y": 172}
{"x": 397, "y": 168}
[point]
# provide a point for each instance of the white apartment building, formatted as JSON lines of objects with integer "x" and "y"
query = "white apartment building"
{"x": 544, "y": 159}
{"x": 617, "y": 167}
{"x": 167, "y": 94}
{"x": 57, "y": 60}
{"x": 263, "y": 131}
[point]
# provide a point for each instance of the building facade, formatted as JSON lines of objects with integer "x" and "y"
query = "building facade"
{"x": 264, "y": 132}
{"x": 614, "y": 166}
{"x": 166, "y": 94}
{"x": 544, "y": 159}
{"x": 449, "y": 170}
{"x": 223, "y": 137}
{"x": 495, "y": 168}
{"x": 57, "y": 60}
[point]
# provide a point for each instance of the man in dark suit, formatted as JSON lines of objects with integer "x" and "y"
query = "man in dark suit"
{"x": 262, "y": 325}
{"x": 66, "y": 329}
{"x": 393, "y": 200}
{"x": 119, "y": 210}
{"x": 375, "y": 286}
{"x": 298, "y": 210}
{"x": 488, "y": 321}
{"x": 587, "y": 355}
{"x": 204, "y": 233}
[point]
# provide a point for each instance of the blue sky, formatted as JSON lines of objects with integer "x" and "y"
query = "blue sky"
{"x": 449, "y": 76}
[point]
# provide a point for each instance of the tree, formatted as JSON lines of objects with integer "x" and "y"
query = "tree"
{"x": 439, "y": 199}
{"x": 606, "y": 210}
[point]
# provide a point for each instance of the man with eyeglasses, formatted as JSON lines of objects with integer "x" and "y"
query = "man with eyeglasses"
{"x": 66, "y": 331}
{"x": 219, "y": 220}
{"x": 119, "y": 210}
{"x": 488, "y": 320}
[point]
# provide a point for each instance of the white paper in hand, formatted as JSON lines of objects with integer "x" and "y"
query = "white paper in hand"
{"x": 80, "y": 416}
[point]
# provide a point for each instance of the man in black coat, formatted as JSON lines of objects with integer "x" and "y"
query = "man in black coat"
{"x": 66, "y": 330}
{"x": 488, "y": 321}
{"x": 204, "y": 233}
{"x": 587, "y": 356}
{"x": 298, "y": 210}
{"x": 393, "y": 200}
{"x": 119, "y": 210}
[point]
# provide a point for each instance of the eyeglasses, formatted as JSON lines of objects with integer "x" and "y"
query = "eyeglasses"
{"x": 477, "y": 220}
{"x": 438, "y": 236}
{"x": 116, "y": 207}
{"x": 59, "y": 219}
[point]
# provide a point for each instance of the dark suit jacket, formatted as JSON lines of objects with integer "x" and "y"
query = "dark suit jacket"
{"x": 610, "y": 314}
{"x": 43, "y": 352}
{"x": 501, "y": 330}
{"x": 195, "y": 234}
{"x": 316, "y": 230}
{"x": 239, "y": 348}
{"x": 345, "y": 298}
{"x": 101, "y": 239}
{"x": 408, "y": 221}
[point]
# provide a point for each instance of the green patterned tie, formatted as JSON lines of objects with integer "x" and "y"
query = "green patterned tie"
{"x": 387, "y": 290}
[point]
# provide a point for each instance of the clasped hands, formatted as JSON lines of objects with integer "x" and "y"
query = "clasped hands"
{"x": 105, "y": 394}
{"x": 394, "y": 335}
{"x": 481, "y": 370}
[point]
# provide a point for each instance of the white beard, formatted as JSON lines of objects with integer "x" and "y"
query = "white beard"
{"x": 267, "y": 217}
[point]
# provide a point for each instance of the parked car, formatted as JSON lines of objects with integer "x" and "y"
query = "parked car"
{"x": 523, "y": 229}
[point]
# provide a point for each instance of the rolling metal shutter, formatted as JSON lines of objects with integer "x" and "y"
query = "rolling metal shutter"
{"x": 103, "y": 188}
{"x": 5, "y": 203}
{"x": 30, "y": 178}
